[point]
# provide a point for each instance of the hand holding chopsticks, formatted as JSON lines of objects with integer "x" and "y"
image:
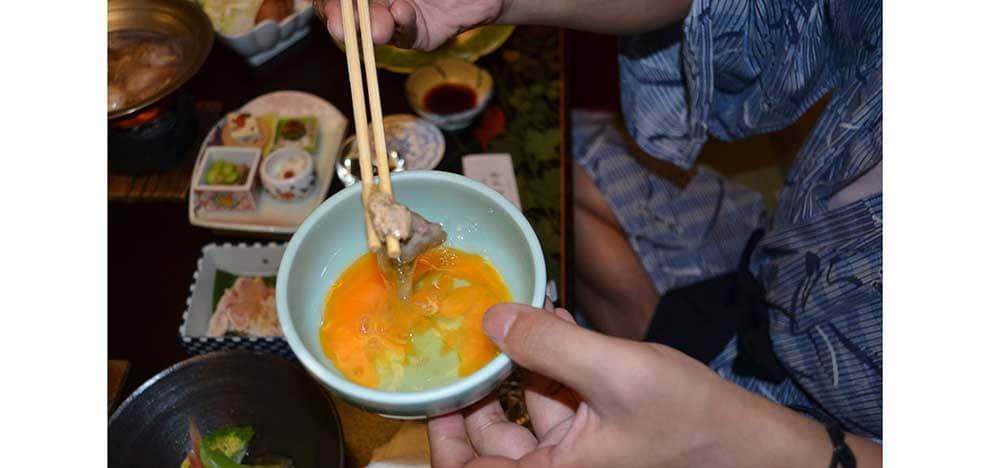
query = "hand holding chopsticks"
{"x": 352, "y": 51}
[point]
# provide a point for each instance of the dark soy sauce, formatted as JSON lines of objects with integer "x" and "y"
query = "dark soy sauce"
{"x": 450, "y": 98}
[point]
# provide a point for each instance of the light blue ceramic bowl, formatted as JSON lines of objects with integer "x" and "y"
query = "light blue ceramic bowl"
{"x": 477, "y": 219}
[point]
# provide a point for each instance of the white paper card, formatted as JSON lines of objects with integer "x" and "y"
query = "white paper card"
{"x": 495, "y": 171}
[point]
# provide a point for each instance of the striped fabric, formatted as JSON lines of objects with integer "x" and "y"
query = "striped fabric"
{"x": 740, "y": 68}
{"x": 682, "y": 235}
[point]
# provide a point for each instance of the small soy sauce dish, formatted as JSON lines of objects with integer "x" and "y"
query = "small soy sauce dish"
{"x": 450, "y": 93}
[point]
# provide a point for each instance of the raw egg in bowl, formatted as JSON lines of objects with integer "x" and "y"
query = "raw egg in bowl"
{"x": 428, "y": 358}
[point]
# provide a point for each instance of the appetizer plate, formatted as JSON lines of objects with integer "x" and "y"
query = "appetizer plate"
{"x": 274, "y": 216}
{"x": 469, "y": 46}
{"x": 291, "y": 415}
{"x": 216, "y": 269}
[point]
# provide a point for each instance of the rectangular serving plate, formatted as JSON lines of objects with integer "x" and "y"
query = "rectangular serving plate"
{"x": 273, "y": 216}
{"x": 242, "y": 260}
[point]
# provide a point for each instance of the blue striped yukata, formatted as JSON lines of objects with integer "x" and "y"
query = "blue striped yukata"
{"x": 739, "y": 68}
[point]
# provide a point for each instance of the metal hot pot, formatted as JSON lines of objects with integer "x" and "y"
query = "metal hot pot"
{"x": 154, "y": 134}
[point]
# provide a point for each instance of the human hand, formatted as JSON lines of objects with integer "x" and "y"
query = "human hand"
{"x": 415, "y": 24}
{"x": 632, "y": 404}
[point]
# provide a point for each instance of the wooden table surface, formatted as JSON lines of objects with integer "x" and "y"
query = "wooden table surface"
{"x": 153, "y": 249}
{"x": 117, "y": 372}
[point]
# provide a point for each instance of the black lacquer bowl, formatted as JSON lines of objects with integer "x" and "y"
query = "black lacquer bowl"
{"x": 291, "y": 414}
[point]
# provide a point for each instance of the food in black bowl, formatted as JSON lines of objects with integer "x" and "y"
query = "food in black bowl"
{"x": 228, "y": 395}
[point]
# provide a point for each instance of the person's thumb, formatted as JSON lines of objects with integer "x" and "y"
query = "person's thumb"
{"x": 405, "y": 16}
{"x": 544, "y": 343}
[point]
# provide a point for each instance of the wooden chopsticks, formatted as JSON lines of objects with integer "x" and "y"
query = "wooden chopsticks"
{"x": 352, "y": 51}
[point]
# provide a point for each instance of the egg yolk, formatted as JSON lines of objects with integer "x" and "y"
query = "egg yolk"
{"x": 368, "y": 330}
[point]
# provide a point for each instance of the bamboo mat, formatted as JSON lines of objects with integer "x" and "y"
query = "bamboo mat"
{"x": 173, "y": 185}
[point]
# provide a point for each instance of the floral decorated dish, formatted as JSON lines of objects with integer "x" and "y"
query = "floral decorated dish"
{"x": 288, "y": 174}
{"x": 225, "y": 179}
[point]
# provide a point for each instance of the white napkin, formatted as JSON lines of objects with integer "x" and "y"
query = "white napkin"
{"x": 407, "y": 449}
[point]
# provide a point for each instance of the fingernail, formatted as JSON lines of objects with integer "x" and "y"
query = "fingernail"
{"x": 498, "y": 320}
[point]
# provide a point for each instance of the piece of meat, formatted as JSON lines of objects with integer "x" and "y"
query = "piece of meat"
{"x": 424, "y": 235}
{"x": 415, "y": 233}
{"x": 266, "y": 321}
{"x": 242, "y": 300}
{"x": 157, "y": 55}
{"x": 119, "y": 68}
{"x": 248, "y": 307}
{"x": 117, "y": 43}
{"x": 389, "y": 217}
{"x": 145, "y": 81}
{"x": 219, "y": 323}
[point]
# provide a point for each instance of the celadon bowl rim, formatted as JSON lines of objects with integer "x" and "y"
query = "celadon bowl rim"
{"x": 425, "y": 398}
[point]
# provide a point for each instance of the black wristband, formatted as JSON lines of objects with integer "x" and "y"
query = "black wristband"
{"x": 842, "y": 455}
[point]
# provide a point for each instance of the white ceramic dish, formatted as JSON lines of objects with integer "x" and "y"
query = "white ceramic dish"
{"x": 287, "y": 188}
{"x": 268, "y": 38}
{"x": 449, "y": 71}
{"x": 273, "y": 216}
{"x": 477, "y": 219}
{"x": 240, "y": 260}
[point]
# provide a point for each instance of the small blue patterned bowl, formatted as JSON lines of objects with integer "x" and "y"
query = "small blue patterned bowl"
{"x": 287, "y": 184}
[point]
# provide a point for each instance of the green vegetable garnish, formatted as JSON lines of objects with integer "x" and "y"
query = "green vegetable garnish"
{"x": 231, "y": 441}
{"x": 224, "y": 172}
{"x": 215, "y": 459}
{"x": 225, "y": 447}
